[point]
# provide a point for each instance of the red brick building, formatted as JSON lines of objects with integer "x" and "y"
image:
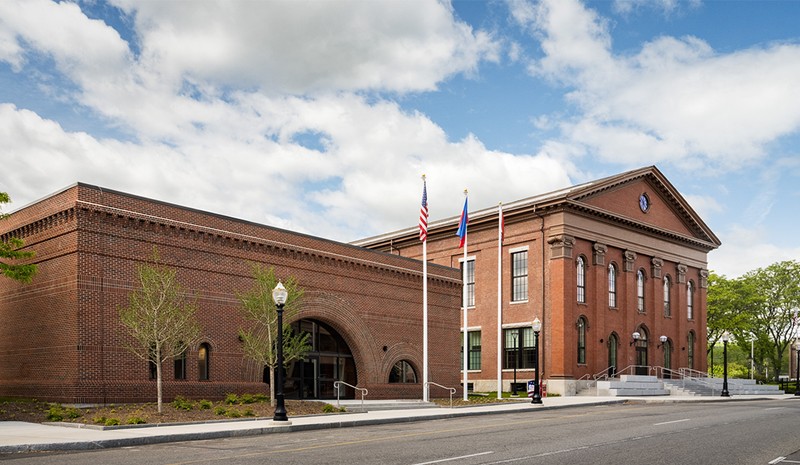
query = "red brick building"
{"x": 61, "y": 340}
{"x": 595, "y": 263}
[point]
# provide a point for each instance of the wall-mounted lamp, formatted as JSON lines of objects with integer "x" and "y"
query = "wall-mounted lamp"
{"x": 663, "y": 340}
{"x": 635, "y": 337}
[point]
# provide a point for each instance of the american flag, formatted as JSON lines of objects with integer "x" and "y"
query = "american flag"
{"x": 423, "y": 213}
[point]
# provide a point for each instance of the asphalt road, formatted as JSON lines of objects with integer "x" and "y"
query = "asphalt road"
{"x": 746, "y": 433}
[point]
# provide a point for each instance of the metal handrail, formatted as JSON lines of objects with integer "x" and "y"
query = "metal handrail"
{"x": 452, "y": 390}
{"x": 337, "y": 384}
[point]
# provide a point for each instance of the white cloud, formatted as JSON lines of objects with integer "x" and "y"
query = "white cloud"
{"x": 745, "y": 249}
{"x": 308, "y": 46}
{"x": 676, "y": 100}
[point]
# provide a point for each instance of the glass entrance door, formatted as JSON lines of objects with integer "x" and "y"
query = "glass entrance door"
{"x": 330, "y": 360}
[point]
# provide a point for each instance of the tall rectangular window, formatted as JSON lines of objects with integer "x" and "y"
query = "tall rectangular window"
{"x": 518, "y": 348}
{"x": 180, "y": 366}
{"x": 474, "y": 354}
{"x": 470, "y": 282}
{"x": 667, "y": 303}
{"x": 519, "y": 276}
{"x": 580, "y": 271}
{"x": 640, "y": 291}
{"x": 612, "y": 286}
{"x": 690, "y": 301}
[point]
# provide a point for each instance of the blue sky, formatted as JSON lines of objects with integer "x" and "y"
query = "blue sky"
{"x": 321, "y": 116}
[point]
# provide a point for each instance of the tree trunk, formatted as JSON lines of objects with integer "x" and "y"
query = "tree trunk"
{"x": 158, "y": 383}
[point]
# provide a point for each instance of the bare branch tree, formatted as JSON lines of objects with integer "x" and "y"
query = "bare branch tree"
{"x": 261, "y": 338}
{"x": 160, "y": 318}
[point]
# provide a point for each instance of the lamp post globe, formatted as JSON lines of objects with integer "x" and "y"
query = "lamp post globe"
{"x": 725, "y": 338}
{"x": 279, "y": 296}
{"x": 537, "y": 393}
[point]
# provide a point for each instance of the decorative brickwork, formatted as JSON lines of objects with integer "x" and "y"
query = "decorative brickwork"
{"x": 61, "y": 339}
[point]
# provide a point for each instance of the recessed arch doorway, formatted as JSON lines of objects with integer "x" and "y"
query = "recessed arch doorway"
{"x": 329, "y": 360}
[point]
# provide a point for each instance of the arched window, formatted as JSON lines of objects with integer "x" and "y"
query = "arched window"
{"x": 402, "y": 372}
{"x": 580, "y": 268}
{"x": 690, "y": 301}
{"x": 667, "y": 310}
{"x": 640, "y": 291}
{"x": 691, "y": 349}
{"x": 203, "y": 362}
{"x": 667, "y": 355}
{"x": 612, "y": 286}
{"x": 613, "y": 342}
{"x": 581, "y": 340}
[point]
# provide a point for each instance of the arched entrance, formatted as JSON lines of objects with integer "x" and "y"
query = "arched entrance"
{"x": 330, "y": 360}
{"x": 641, "y": 352}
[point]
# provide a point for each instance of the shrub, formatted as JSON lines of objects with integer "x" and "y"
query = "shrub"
{"x": 58, "y": 412}
{"x": 55, "y": 413}
{"x": 249, "y": 413}
{"x": 99, "y": 420}
{"x": 247, "y": 399}
{"x": 136, "y": 421}
{"x": 112, "y": 422}
{"x": 205, "y": 404}
{"x": 328, "y": 408}
{"x": 181, "y": 403}
{"x": 231, "y": 399}
{"x": 233, "y": 414}
{"x": 220, "y": 410}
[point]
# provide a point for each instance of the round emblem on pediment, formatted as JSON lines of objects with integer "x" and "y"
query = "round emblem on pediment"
{"x": 644, "y": 202}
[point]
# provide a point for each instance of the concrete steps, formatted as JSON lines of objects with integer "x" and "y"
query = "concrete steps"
{"x": 356, "y": 406}
{"x": 632, "y": 385}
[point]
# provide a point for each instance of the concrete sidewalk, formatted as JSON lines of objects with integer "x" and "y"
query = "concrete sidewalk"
{"x": 18, "y": 436}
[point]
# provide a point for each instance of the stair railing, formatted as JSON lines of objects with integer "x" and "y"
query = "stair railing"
{"x": 452, "y": 390}
{"x": 337, "y": 385}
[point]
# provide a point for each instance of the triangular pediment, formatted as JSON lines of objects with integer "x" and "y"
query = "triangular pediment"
{"x": 646, "y": 198}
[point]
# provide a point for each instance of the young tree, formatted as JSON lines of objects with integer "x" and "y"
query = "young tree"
{"x": 11, "y": 250}
{"x": 261, "y": 338}
{"x": 778, "y": 285}
{"x": 160, "y": 318}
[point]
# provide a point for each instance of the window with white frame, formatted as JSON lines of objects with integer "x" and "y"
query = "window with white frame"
{"x": 612, "y": 286}
{"x": 580, "y": 270}
{"x": 519, "y": 276}
{"x": 640, "y": 291}
{"x": 469, "y": 284}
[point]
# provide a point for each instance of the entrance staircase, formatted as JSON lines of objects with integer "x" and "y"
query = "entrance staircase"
{"x": 632, "y": 385}
{"x": 663, "y": 381}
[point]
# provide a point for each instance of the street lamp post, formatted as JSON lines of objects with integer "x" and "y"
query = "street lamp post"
{"x": 516, "y": 358}
{"x": 537, "y": 393}
{"x": 797, "y": 371}
{"x": 725, "y": 337}
{"x": 279, "y": 295}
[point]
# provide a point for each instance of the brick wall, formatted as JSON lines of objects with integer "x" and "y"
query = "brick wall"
{"x": 61, "y": 339}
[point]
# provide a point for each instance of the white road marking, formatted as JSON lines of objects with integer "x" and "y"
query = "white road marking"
{"x": 670, "y": 422}
{"x": 778, "y": 460}
{"x": 457, "y": 458}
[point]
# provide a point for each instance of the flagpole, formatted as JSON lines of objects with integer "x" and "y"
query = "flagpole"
{"x": 464, "y": 301}
{"x": 423, "y": 229}
{"x": 499, "y": 300}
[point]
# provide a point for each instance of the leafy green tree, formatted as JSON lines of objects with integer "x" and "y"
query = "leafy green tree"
{"x": 12, "y": 250}
{"x": 261, "y": 338}
{"x": 778, "y": 286}
{"x": 160, "y": 318}
{"x": 732, "y": 306}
